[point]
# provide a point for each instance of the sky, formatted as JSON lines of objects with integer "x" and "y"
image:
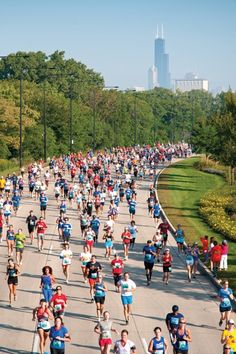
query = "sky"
{"x": 116, "y": 37}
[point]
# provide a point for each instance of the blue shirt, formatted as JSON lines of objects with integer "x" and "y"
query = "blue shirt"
{"x": 61, "y": 332}
{"x": 132, "y": 205}
{"x": 149, "y": 257}
{"x": 16, "y": 200}
{"x": 224, "y": 294}
{"x": 66, "y": 227}
{"x": 156, "y": 210}
{"x": 95, "y": 224}
{"x": 43, "y": 200}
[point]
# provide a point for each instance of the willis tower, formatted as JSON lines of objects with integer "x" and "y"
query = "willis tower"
{"x": 161, "y": 61}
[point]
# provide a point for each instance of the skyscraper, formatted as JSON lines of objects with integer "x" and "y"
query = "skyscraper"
{"x": 161, "y": 61}
{"x": 152, "y": 77}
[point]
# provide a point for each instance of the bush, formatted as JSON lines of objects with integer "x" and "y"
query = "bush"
{"x": 7, "y": 165}
{"x": 214, "y": 208}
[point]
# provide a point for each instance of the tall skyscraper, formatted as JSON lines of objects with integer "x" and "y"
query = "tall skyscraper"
{"x": 161, "y": 60}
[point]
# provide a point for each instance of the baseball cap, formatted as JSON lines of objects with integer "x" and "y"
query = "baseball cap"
{"x": 231, "y": 321}
{"x": 149, "y": 241}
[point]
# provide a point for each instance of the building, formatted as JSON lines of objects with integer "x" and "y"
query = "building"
{"x": 161, "y": 61}
{"x": 191, "y": 82}
{"x": 152, "y": 78}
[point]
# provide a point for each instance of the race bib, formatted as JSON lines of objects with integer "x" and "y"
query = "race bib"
{"x": 225, "y": 302}
{"x": 125, "y": 286}
{"x": 56, "y": 344}
{"x": 117, "y": 265}
{"x": 44, "y": 325}
{"x": 106, "y": 334}
{"x": 174, "y": 320}
{"x": 58, "y": 307}
{"x": 94, "y": 275}
{"x": 18, "y": 243}
{"x": 66, "y": 261}
{"x": 99, "y": 293}
{"x": 148, "y": 257}
{"x": 182, "y": 344}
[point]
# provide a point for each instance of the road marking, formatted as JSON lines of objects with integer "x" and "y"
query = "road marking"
{"x": 35, "y": 344}
{"x": 145, "y": 346}
{"x": 50, "y": 249}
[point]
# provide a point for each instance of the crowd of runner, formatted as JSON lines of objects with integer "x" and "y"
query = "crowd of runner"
{"x": 94, "y": 186}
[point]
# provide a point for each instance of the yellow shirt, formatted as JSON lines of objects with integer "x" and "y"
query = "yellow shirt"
{"x": 2, "y": 183}
{"x": 232, "y": 337}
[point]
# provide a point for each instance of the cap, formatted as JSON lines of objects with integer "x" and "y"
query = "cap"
{"x": 149, "y": 241}
{"x": 231, "y": 321}
{"x": 175, "y": 308}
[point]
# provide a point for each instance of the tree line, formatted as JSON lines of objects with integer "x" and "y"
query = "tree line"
{"x": 81, "y": 113}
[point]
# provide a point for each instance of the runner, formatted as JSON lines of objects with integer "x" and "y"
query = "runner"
{"x": 66, "y": 256}
{"x": 43, "y": 200}
{"x": 126, "y": 237}
{"x": 10, "y": 237}
{"x": 124, "y": 345}
{"x": 164, "y": 227}
{"x": 228, "y": 338}
{"x": 225, "y": 295}
{"x": 156, "y": 212}
{"x": 158, "y": 243}
{"x": 58, "y": 335}
{"x": 104, "y": 329}
{"x": 108, "y": 242}
{"x": 158, "y": 344}
{"x": 58, "y": 303}
{"x": 93, "y": 270}
{"x": 181, "y": 338}
{"x": 149, "y": 253}
{"x": 41, "y": 228}
{"x": 1, "y": 224}
{"x": 89, "y": 238}
{"x": 179, "y": 237}
{"x": 20, "y": 244}
{"x": 31, "y": 222}
{"x": 189, "y": 261}
{"x": 196, "y": 255}
{"x": 47, "y": 280}
{"x": 172, "y": 320}
{"x": 12, "y": 274}
{"x": 126, "y": 287}
{"x": 100, "y": 290}
{"x": 66, "y": 230}
{"x": 133, "y": 231}
{"x": 95, "y": 224}
{"x": 117, "y": 269}
{"x": 43, "y": 315}
{"x": 85, "y": 257}
{"x": 7, "y": 210}
{"x": 132, "y": 208}
{"x": 16, "y": 202}
{"x": 167, "y": 260}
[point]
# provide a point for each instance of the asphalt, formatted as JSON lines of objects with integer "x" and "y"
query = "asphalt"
{"x": 196, "y": 300}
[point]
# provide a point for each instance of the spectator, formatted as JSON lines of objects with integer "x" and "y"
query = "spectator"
{"x": 205, "y": 245}
{"x": 215, "y": 257}
{"x": 224, "y": 255}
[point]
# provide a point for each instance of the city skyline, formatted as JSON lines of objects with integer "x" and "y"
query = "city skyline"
{"x": 116, "y": 38}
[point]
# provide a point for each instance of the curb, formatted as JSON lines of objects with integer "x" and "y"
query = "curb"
{"x": 201, "y": 266}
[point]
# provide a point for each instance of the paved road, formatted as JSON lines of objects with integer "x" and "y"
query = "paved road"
{"x": 196, "y": 300}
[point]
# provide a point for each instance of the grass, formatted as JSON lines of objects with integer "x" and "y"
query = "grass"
{"x": 180, "y": 189}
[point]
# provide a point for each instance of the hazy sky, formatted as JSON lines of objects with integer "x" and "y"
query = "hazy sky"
{"x": 116, "y": 37}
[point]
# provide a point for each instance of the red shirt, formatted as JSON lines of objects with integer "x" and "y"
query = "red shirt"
{"x": 216, "y": 253}
{"x": 117, "y": 266}
{"x": 204, "y": 244}
{"x": 59, "y": 301}
{"x": 126, "y": 236}
{"x": 164, "y": 228}
{"x": 167, "y": 260}
{"x": 41, "y": 227}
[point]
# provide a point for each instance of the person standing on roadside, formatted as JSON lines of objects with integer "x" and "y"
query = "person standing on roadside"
{"x": 215, "y": 258}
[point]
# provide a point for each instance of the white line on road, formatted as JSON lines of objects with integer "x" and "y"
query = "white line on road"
{"x": 145, "y": 346}
{"x": 50, "y": 249}
{"x": 35, "y": 344}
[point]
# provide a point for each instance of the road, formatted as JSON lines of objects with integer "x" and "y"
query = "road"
{"x": 196, "y": 300}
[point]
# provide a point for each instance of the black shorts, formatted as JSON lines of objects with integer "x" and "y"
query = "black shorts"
{"x": 12, "y": 280}
{"x": 43, "y": 207}
{"x": 99, "y": 299}
{"x": 165, "y": 237}
{"x": 57, "y": 351}
{"x": 30, "y": 229}
{"x": 225, "y": 309}
{"x": 167, "y": 269}
{"x": 148, "y": 265}
{"x": 117, "y": 278}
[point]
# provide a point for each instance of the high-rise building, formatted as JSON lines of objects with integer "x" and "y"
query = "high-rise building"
{"x": 191, "y": 82}
{"x": 152, "y": 77}
{"x": 161, "y": 60}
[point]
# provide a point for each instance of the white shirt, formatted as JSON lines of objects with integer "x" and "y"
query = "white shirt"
{"x": 120, "y": 349}
{"x": 126, "y": 287}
